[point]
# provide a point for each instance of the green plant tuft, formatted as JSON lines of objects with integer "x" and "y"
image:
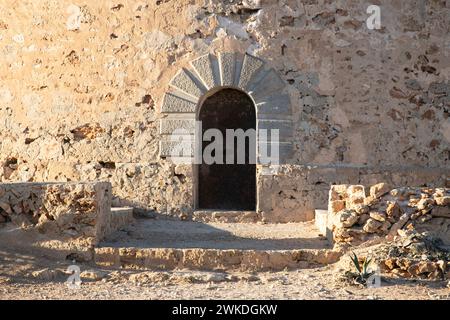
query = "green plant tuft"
{"x": 362, "y": 273}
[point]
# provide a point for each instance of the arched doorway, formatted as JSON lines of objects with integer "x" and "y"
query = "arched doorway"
{"x": 228, "y": 186}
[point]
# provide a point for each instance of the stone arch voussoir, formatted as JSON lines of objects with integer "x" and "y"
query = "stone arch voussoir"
{"x": 226, "y": 69}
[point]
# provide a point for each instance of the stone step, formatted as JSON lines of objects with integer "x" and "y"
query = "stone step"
{"x": 226, "y": 216}
{"x": 213, "y": 259}
{"x": 320, "y": 220}
{"x": 171, "y": 244}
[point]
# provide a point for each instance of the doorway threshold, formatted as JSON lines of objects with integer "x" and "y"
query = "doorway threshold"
{"x": 226, "y": 216}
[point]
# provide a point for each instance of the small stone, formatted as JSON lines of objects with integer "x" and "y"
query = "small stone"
{"x": 355, "y": 189}
{"x": 393, "y": 209}
{"x": 442, "y": 201}
{"x": 379, "y": 190}
{"x": 47, "y": 274}
{"x": 345, "y": 219}
{"x": 425, "y": 204}
{"x": 379, "y": 216}
{"x": 95, "y": 275}
{"x": 216, "y": 277}
{"x": 404, "y": 263}
{"x": 372, "y": 226}
{"x": 370, "y": 201}
{"x": 390, "y": 263}
{"x": 355, "y": 200}
{"x": 361, "y": 209}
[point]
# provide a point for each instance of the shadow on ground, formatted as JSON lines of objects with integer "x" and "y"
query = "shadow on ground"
{"x": 154, "y": 233}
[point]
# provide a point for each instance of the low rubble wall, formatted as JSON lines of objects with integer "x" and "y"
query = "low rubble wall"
{"x": 67, "y": 217}
{"x": 356, "y": 216}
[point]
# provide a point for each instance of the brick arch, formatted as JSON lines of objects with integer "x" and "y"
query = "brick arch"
{"x": 210, "y": 73}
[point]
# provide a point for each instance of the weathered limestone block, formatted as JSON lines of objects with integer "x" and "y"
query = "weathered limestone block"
{"x": 177, "y": 126}
{"x": 320, "y": 220}
{"x": 205, "y": 68}
{"x": 345, "y": 219}
{"x": 355, "y": 201}
{"x": 425, "y": 203}
{"x": 338, "y": 192}
{"x": 379, "y": 189}
{"x": 184, "y": 147}
{"x": 187, "y": 83}
{"x": 361, "y": 209}
{"x": 379, "y": 216}
{"x": 372, "y": 226}
{"x": 67, "y": 211}
{"x": 336, "y": 206}
{"x": 175, "y": 104}
{"x": 227, "y": 68}
{"x": 250, "y": 67}
{"x": 393, "y": 210}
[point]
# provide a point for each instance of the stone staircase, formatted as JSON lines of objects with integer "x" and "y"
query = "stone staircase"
{"x": 169, "y": 244}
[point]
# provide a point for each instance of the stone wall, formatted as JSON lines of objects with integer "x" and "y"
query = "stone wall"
{"x": 74, "y": 213}
{"x": 355, "y": 217}
{"x": 82, "y": 86}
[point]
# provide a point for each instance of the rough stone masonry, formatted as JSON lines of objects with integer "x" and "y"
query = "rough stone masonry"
{"x": 82, "y": 85}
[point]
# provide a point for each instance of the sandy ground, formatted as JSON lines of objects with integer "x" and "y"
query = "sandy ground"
{"x": 28, "y": 277}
